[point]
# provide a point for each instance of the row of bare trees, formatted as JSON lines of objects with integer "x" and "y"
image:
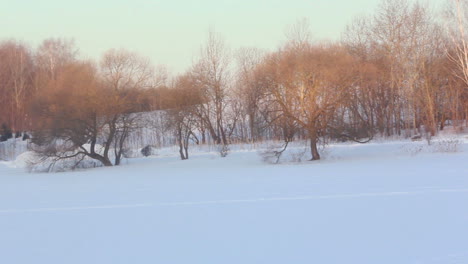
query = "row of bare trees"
{"x": 399, "y": 71}
{"x": 24, "y": 73}
{"x": 396, "y": 72}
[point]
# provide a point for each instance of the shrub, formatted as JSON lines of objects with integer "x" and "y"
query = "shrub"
{"x": 224, "y": 151}
{"x": 273, "y": 153}
{"x": 147, "y": 151}
{"x": 413, "y": 149}
{"x": 449, "y": 145}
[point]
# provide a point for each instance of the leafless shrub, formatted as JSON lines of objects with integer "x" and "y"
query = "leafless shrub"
{"x": 224, "y": 150}
{"x": 413, "y": 149}
{"x": 298, "y": 156}
{"x": 273, "y": 153}
{"x": 446, "y": 145}
{"x": 40, "y": 163}
{"x": 449, "y": 145}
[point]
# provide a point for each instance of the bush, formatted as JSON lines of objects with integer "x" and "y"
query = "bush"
{"x": 36, "y": 163}
{"x": 298, "y": 156}
{"x": 273, "y": 153}
{"x": 449, "y": 145}
{"x": 413, "y": 149}
{"x": 224, "y": 151}
{"x": 147, "y": 151}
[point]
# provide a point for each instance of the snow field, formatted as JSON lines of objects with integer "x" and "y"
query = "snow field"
{"x": 372, "y": 203}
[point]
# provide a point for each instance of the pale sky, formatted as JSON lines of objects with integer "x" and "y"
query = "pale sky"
{"x": 170, "y": 32}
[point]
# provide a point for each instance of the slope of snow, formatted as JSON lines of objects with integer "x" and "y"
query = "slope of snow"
{"x": 394, "y": 202}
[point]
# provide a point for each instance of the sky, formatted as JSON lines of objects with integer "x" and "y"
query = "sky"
{"x": 170, "y": 32}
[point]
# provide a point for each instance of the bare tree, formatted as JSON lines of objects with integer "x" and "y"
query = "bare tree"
{"x": 123, "y": 70}
{"x": 298, "y": 34}
{"x": 211, "y": 74}
{"x": 81, "y": 114}
{"x": 125, "y": 73}
{"x": 401, "y": 40}
{"x": 309, "y": 84}
{"x": 249, "y": 92}
{"x": 71, "y": 113}
{"x": 54, "y": 54}
{"x": 16, "y": 73}
{"x": 182, "y": 116}
{"x": 457, "y": 52}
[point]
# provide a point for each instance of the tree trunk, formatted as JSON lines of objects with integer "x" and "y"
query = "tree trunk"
{"x": 313, "y": 148}
{"x": 117, "y": 160}
{"x": 181, "y": 142}
{"x": 104, "y": 160}
{"x": 253, "y": 132}
{"x": 181, "y": 151}
{"x": 186, "y": 144}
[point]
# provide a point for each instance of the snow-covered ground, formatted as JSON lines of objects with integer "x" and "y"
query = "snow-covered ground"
{"x": 387, "y": 202}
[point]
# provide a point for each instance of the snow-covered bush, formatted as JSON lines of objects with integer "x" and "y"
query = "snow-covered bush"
{"x": 49, "y": 165}
{"x": 413, "y": 149}
{"x": 35, "y": 162}
{"x": 273, "y": 152}
{"x": 298, "y": 154}
{"x": 223, "y": 150}
{"x": 447, "y": 145}
{"x": 443, "y": 145}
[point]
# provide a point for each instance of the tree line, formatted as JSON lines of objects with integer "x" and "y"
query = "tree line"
{"x": 402, "y": 70}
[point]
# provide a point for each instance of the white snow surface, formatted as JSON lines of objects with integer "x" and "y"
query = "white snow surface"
{"x": 385, "y": 202}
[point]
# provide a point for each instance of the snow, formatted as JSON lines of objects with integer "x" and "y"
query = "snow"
{"x": 11, "y": 148}
{"x": 385, "y": 202}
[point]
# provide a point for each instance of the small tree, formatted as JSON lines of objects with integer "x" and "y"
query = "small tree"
{"x": 80, "y": 117}
{"x": 182, "y": 117}
{"x": 308, "y": 83}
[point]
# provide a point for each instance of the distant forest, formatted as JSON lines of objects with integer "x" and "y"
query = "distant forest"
{"x": 401, "y": 71}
